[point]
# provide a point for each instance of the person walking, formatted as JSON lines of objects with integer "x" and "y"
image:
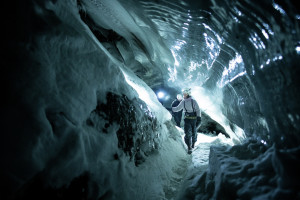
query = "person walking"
{"x": 177, "y": 115}
{"x": 192, "y": 118}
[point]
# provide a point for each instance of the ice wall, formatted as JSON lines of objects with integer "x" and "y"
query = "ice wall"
{"x": 230, "y": 53}
{"x": 241, "y": 57}
{"x": 77, "y": 124}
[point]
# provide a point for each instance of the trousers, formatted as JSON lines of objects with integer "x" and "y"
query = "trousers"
{"x": 177, "y": 119}
{"x": 190, "y": 132}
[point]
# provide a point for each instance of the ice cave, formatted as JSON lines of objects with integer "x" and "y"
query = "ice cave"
{"x": 87, "y": 87}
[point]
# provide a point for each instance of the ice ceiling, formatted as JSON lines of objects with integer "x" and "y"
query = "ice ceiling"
{"x": 239, "y": 57}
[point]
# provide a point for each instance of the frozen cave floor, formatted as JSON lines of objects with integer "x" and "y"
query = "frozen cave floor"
{"x": 195, "y": 164}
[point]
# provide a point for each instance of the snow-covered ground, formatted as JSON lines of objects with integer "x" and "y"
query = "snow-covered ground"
{"x": 195, "y": 164}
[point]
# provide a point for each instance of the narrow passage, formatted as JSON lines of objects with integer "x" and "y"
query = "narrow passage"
{"x": 192, "y": 166}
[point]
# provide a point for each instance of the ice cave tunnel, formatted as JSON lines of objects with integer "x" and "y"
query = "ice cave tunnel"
{"x": 81, "y": 118}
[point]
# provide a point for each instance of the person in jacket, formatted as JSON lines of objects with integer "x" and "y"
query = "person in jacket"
{"x": 177, "y": 115}
{"x": 192, "y": 118}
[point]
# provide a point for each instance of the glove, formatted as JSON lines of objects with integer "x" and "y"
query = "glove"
{"x": 198, "y": 122}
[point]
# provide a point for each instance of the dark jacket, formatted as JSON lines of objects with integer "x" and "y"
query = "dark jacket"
{"x": 175, "y": 103}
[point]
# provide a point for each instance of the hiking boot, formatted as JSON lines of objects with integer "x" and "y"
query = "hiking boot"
{"x": 190, "y": 150}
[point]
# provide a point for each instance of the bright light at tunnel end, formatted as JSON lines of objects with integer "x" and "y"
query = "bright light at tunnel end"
{"x": 298, "y": 50}
{"x": 160, "y": 94}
